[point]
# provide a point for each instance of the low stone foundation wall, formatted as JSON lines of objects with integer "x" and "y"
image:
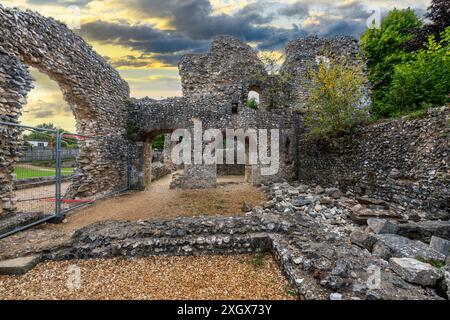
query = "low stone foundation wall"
{"x": 38, "y": 182}
{"x": 159, "y": 170}
{"x": 182, "y": 236}
{"x": 403, "y": 161}
{"x": 195, "y": 177}
{"x": 231, "y": 169}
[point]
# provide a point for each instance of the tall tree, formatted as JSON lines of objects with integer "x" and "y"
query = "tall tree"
{"x": 384, "y": 49}
{"x": 439, "y": 16}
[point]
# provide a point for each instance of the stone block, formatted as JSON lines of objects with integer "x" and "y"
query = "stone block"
{"x": 382, "y": 225}
{"x": 19, "y": 266}
{"x": 391, "y": 245}
{"x": 440, "y": 245}
{"x": 415, "y": 271}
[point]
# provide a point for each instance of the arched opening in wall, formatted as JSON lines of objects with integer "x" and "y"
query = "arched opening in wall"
{"x": 238, "y": 168}
{"x": 46, "y": 104}
{"x": 156, "y": 160}
{"x": 34, "y": 171}
{"x": 253, "y": 100}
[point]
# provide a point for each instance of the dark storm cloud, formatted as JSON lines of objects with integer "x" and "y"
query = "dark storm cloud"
{"x": 194, "y": 18}
{"x": 195, "y": 26}
{"x": 280, "y": 37}
{"x": 140, "y": 37}
{"x": 61, "y": 2}
{"x": 297, "y": 9}
{"x": 131, "y": 61}
{"x": 170, "y": 59}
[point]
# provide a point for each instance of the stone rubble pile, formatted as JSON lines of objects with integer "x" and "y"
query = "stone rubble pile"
{"x": 340, "y": 239}
{"x": 323, "y": 251}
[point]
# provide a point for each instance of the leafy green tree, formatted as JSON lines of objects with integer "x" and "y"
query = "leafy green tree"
{"x": 50, "y": 136}
{"x": 438, "y": 15}
{"x": 336, "y": 91}
{"x": 49, "y": 126}
{"x": 384, "y": 49}
{"x": 424, "y": 81}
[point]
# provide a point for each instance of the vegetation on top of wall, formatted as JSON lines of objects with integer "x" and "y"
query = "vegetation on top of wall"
{"x": 408, "y": 61}
{"x": 336, "y": 91}
{"x": 131, "y": 131}
{"x": 158, "y": 142}
{"x": 252, "y": 104}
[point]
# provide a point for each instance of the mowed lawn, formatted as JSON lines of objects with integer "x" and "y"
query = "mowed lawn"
{"x": 28, "y": 171}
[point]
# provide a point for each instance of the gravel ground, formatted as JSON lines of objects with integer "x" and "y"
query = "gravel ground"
{"x": 204, "y": 277}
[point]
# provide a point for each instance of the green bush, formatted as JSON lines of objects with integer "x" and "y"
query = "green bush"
{"x": 158, "y": 142}
{"x": 384, "y": 48}
{"x": 422, "y": 82}
{"x": 336, "y": 90}
{"x": 252, "y": 104}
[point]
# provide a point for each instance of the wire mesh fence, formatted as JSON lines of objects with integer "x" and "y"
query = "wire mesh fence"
{"x": 39, "y": 165}
{"x": 34, "y": 174}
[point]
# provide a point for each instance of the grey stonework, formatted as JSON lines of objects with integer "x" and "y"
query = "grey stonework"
{"x": 153, "y": 117}
{"x": 94, "y": 90}
{"x": 403, "y": 161}
{"x": 229, "y": 70}
{"x": 15, "y": 82}
{"x": 311, "y": 242}
{"x": 305, "y": 53}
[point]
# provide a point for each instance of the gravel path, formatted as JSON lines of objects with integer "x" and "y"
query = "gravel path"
{"x": 160, "y": 202}
{"x": 206, "y": 277}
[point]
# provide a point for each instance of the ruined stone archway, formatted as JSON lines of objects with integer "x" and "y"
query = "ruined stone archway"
{"x": 94, "y": 90}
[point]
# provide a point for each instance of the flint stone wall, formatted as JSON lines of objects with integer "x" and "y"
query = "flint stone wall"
{"x": 304, "y": 54}
{"x": 15, "y": 82}
{"x": 181, "y": 236}
{"x": 229, "y": 70}
{"x": 94, "y": 90}
{"x": 231, "y": 170}
{"x": 153, "y": 117}
{"x": 402, "y": 161}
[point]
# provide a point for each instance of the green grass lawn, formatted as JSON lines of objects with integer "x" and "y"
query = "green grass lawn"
{"x": 22, "y": 172}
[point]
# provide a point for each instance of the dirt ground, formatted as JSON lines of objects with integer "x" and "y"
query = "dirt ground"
{"x": 253, "y": 277}
{"x": 159, "y": 202}
{"x": 45, "y": 206}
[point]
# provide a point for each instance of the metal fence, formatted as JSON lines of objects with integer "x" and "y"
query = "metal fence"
{"x": 40, "y": 186}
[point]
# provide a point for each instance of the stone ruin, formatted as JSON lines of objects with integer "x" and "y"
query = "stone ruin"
{"x": 215, "y": 88}
{"x": 394, "y": 170}
{"x": 94, "y": 90}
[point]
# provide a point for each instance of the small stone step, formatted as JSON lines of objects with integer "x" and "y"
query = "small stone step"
{"x": 19, "y": 266}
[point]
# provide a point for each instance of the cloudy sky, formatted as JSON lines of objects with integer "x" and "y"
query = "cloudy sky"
{"x": 144, "y": 39}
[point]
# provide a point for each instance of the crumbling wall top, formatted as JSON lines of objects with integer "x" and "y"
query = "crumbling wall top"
{"x": 229, "y": 69}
